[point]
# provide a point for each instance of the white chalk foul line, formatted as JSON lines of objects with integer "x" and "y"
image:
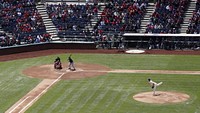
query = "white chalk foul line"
{"x": 19, "y": 104}
{"x": 41, "y": 93}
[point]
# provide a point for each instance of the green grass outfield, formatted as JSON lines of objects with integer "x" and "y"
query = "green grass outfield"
{"x": 111, "y": 93}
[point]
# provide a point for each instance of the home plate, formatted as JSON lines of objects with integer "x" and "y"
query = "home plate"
{"x": 135, "y": 51}
{"x": 77, "y": 70}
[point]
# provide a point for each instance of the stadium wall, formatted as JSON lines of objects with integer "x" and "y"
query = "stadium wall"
{"x": 45, "y": 46}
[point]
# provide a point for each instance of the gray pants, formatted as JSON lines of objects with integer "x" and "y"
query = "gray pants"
{"x": 154, "y": 88}
{"x": 71, "y": 65}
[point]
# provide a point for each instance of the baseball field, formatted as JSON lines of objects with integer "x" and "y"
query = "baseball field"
{"x": 102, "y": 83}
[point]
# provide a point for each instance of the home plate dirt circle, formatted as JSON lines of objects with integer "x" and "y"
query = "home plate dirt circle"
{"x": 83, "y": 70}
{"x": 162, "y": 97}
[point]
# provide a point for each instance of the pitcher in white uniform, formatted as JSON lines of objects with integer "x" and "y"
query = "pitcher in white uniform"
{"x": 154, "y": 85}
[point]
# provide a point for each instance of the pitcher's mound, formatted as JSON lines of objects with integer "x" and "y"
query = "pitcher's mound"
{"x": 162, "y": 97}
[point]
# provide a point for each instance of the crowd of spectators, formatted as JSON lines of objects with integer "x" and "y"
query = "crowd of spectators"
{"x": 194, "y": 22}
{"x": 6, "y": 40}
{"x": 120, "y": 16}
{"x": 72, "y": 19}
{"x": 21, "y": 19}
{"x": 167, "y": 17}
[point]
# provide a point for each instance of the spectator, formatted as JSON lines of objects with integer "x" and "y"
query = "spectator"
{"x": 194, "y": 22}
{"x": 21, "y": 19}
{"x": 121, "y": 16}
{"x": 71, "y": 19}
{"x": 167, "y": 16}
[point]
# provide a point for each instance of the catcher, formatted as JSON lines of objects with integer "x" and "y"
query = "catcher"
{"x": 57, "y": 63}
{"x": 154, "y": 85}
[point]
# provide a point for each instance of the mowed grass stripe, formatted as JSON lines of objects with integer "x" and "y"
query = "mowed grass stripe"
{"x": 103, "y": 92}
{"x": 66, "y": 95}
{"x": 6, "y": 84}
{"x": 13, "y": 86}
{"x": 112, "y": 93}
{"x": 70, "y": 88}
{"x": 67, "y": 88}
{"x": 109, "y": 98}
{"x": 75, "y": 104}
{"x": 69, "y": 96}
{"x": 93, "y": 101}
{"x": 85, "y": 84}
{"x": 118, "y": 104}
{"x": 46, "y": 100}
{"x": 114, "y": 98}
{"x": 120, "y": 87}
{"x": 86, "y": 96}
{"x": 100, "y": 95}
{"x": 64, "y": 103}
{"x": 74, "y": 98}
{"x": 123, "y": 93}
{"x": 177, "y": 82}
{"x": 54, "y": 99}
{"x": 85, "y": 106}
{"x": 94, "y": 88}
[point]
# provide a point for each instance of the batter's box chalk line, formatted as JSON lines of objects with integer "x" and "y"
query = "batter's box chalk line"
{"x": 77, "y": 70}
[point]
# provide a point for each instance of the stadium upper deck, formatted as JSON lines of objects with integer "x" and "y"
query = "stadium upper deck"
{"x": 89, "y": 21}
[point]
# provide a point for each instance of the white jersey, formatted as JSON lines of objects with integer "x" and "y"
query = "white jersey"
{"x": 152, "y": 83}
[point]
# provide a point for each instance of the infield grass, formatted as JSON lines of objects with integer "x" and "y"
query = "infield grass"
{"x": 111, "y": 93}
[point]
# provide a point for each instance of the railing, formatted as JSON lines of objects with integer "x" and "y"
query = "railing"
{"x": 163, "y": 41}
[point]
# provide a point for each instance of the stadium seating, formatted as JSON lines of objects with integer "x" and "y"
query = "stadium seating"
{"x": 194, "y": 24}
{"x": 167, "y": 17}
{"x": 22, "y": 20}
{"x": 121, "y": 16}
{"x": 6, "y": 40}
{"x": 71, "y": 20}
